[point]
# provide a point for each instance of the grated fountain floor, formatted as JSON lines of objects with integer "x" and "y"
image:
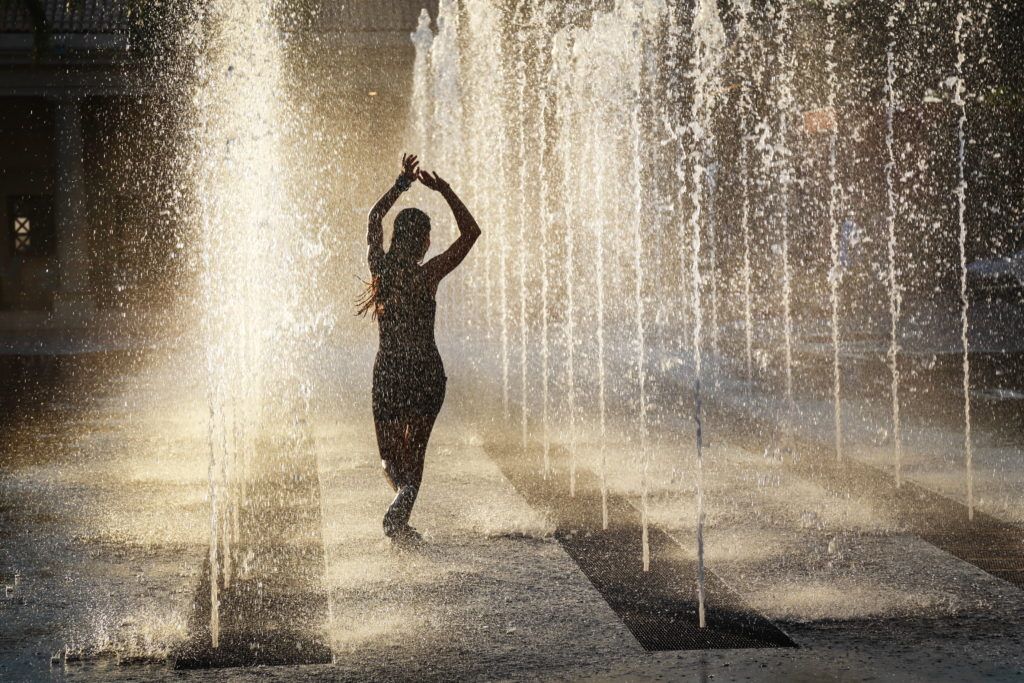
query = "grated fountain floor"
{"x": 990, "y": 544}
{"x": 659, "y": 606}
{"x": 271, "y": 614}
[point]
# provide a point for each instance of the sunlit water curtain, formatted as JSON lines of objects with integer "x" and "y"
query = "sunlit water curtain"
{"x": 728, "y": 192}
{"x": 259, "y": 320}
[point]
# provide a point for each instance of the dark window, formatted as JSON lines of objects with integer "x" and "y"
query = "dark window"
{"x": 31, "y": 225}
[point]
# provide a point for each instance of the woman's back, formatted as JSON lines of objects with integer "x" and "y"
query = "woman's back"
{"x": 406, "y": 317}
{"x": 408, "y": 375}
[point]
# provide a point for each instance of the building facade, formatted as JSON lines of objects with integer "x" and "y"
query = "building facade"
{"x": 89, "y": 243}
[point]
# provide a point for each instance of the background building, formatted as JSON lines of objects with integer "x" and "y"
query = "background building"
{"x": 91, "y": 234}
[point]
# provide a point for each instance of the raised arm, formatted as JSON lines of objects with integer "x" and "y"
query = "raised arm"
{"x": 444, "y": 263}
{"x": 375, "y": 224}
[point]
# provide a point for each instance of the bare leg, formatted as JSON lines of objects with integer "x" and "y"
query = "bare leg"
{"x": 409, "y": 472}
{"x": 391, "y": 444}
{"x": 418, "y": 437}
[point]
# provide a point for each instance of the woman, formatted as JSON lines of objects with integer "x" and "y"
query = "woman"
{"x": 408, "y": 375}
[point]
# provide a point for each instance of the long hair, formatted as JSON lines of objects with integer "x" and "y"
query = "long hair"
{"x": 412, "y": 227}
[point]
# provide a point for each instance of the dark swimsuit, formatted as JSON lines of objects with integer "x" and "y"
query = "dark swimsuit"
{"x": 408, "y": 375}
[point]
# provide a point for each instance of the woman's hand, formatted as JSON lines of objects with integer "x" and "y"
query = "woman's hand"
{"x": 434, "y": 182}
{"x": 409, "y": 167}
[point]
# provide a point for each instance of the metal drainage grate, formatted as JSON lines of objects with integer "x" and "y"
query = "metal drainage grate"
{"x": 990, "y": 544}
{"x": 274, "y": 609}
{"x": 659, "y": 606}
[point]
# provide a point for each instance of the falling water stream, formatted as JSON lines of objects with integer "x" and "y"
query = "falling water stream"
{"x": 259, "y": 328}
{"x": 477, "y": 114}
{"x": 522, "y": 13}
{"x": 895, "y": 298}
{"x": 743, "y": 38}
{"x": 238, "y": 156}
{"x": 571, "y": 80}
{"x": 449, "y": 125}
{"x": 960, "y": 90}
{"x": 602, "y": 409}
{"x": 546, "y": 218}
{"x": 834, "y": 275}
{"x": 636, "y": 180}
{"x": 420, "y": 104}
{"x": 782, "y": 154}
{"x": 562, "y": 54}
{"x": 712, "y": 239}
{"x": 505, "y": 360}
{"x": 488, "y": 104}
{"x": 448, "y": 122}
{"x": 708, "y": 37}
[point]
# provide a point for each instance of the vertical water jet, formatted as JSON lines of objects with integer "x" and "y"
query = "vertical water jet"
{"x": 677, "y": 134}
{"x": 487, "y": 70}
{"x": 782, "y": 153}
{"x": 522, "y": 17}
{"x": 708, "y": 50}
{"x": 420, "y": 106}
{"x": 545, "y": 219}
{"x": 263, "y": 599}
{"x": 743, "y": 37}
{"x": 895, "y": 297}
{"x": 835, "y": 274}
{"x": 959, "y": 91}
{"x": 599, "y": 230}
{"x": 486, "y": 45}
{"x": 642, "y": 61}
{"x": 712, "y": 238}
{"x": 563, "y": 56}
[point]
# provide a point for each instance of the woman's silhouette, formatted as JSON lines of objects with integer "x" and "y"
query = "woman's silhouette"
{"x": 408, "y": 375}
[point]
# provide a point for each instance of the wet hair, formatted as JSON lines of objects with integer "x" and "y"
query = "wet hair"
{"x": 411, "y": 230}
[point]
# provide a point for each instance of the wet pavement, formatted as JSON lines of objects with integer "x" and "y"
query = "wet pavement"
{"x": 106, "y": 527}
